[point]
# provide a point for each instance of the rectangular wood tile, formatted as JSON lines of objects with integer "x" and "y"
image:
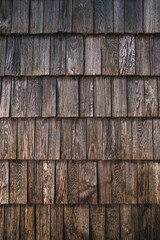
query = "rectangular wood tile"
{"x": 5, "y": 17}
{"x": 57, "y": 222}
{"x": 27, "y": 222}
{"x": 43, "y": 222}
{"x": 66, "y": 139}
{"x": 48, "y": 182}
{"x": 5, "y": 96}
{"x": 143, "y": 182}
{"x": 36, "y": 16}
{"x": 61, "y": 182}
{"x": 119, "y": 16}
{"x": 154, "y": 182}
{"x": 131, "y": 182}
{"x": 4, "y": 182}
{"x": 3, "y": 46}
{"x": 26, "y": 55}
{"x": 73, "y": 182}
{"x": 86, "y": 97}
{"x": 112, "y": 222}
{"x": 50, "y": 16}
{"x": 97, "y": 222}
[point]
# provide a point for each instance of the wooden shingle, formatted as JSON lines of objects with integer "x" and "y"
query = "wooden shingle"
{"x": 3, "y": 44}
{"x": 143, "y": 182}
{"x": 43, "y": 222}
{"x": 97, "y": 221}
{"x": 112, "y": 222}
{"x": 154, "y": 182}
{"x": 27, "y": 222}
{"x": 119, "y": 16}
{"x": 131, "y": 182}
{"x": 48, "y": 182}
{"x": 65, "y": 16}
{"x": 36, "y": 16}
{"x": 126, "y": 139}
{"x": 151, "y": 16}
{"x": 86, "y": 97}
{"x": 51, "y": 14}
{"x": 4, "y": 182}
{"x": 5, "y": 16}
{"x": 73, "y": 182}
{"x": 5, "y": 97}
{"x": 155, "y": 54}
{"x": 66, "y": 139}
{"x": 57, "y": 222}
{"x": 126, "y": 221}
{"x": 26, "y": 55}
{"x": 61, "y": 182}
{"x": 156, "y": 138}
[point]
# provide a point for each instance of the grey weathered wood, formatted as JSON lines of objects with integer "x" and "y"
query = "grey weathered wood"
{"x": 155, "y": 54}
{"x": 26, "y": 55}
{"x": 18, "y": 182}
{"x": 5, "y": 95}
{"x": 119, "y": 97}
{"x": 43, "y": 222}
{"x": 61, "y": 182}
{"x": 158, "y": 86}
{"x": 87, "y": 182}
{"x": 56, "y": 222}
{"x": 142, "y": 139}
{"x": 41, "y": 139}
{"x": 127, "y": 55}
{"x": 126, "y": 222}
{"x": 104, "y": 182}
{"x": 143, "y": 182}
{"x": 103, "y": 16}
{"x": 20, "y": 16}
{"x": 86, "y": 97}
{"x": 3, "y": 45}
{"x": 73, "y": 183}
{"x": 110, "y": 56}
{"x": 156, "y": 138}
{"x": 82, "y": 19}
{"x": 151, "y": 16}
{"x": 154, "y": 182}
{"x": 102, "y": 97}
{"x": 8, "y": 139}
{"x": 58, "y": 51}
{"x": 19, "y": 97}
{"x": 36, "y": 16}
{"x": 126, "y": 139}
{"x": 51, "y": 14}
{"x": 26, "y": 133}
{"x": 5, "y": 16}
{"x": 131, "y": 182}
{"x": 67, "y": 97}
{"x": 97, "y": 221}
{"x": 66, "y": 139}
{"x": 142, "y": 55}
{"x": 113, "y": 222}
{"x": 65, "y": 15}
{"x": 94, "y": 138}
{"x": 27, "y": 222}
{"x": 74, "y": 55}
{"x": 4, "y": 182}
{"x": 119, "y": 16}
{"x": 48, "y": 182}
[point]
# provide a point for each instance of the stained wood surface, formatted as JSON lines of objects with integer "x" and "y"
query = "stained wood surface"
{"x": 48, "y": 182}
{"x": 36, "y": 24}
{"x": 97, "y": 221}
{"x": 86, "y": 97}
{"x": 27, "y": 222}
{"x": 5, "y": 16}
{"x": 5, "y": 95}
{"x": 65, "y": 15}
{"x": 50, "y": 15}
{"x": 4, "y": 183}
{"x": 61, "y": 182}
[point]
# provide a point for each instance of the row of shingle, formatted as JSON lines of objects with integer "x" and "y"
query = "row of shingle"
{"x": 79, "y": 97}
{"x": 77, "y": 55}
{"x": 83, "y": 182}
{"x": 80, "y": 222}
{"x": 98, "y": 16}
{"x": 80, "y": 139}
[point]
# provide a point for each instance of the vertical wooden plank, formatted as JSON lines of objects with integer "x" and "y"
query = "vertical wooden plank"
{"x": 102, "y": 97}
{"x": 110, "y": 56}
{"x": 58, "y": 52}
{"x": 135, "y": 90}
{"x": 158, "y": 86}
{"x": 13, "y": 56}
{"x": 119, "y": 97}
{"x": 126, "y": 139}
{"x": 65, "y": 15}
{"x": 8, "y": 139}
{"x": 126, "y": 222}
{"x": 86, "y": 97}
{"x": 49, "y": 97}
{"x": 3, "y": 45}
{"x": 27, "y": 222}
{"x": 135, "y": 221}
{"x": 12, "y": 222}
{"x": 19, "y": 97}
{"x": 41, "y": 139}
{"x": 155, "y": 54}
{"x": 5, "y": 16}
{"x": 34, "y": 96}
{"x": 156, "y": 138}
{"x": 73, "y": 183}
{"x": 35, "y": 173}
{"x": 1, "y": 222}
{"x": 151, "y": 16}
{"x": 56, "y": 222}
{"x": 103, "y": 16}
{"x": 131, "y": 182}
{"x": 93, "y": 46}
{"x": 26, "y": 131}
{"x": 119, "y": 16}
{"x": 94, "y": 138}
{"x": 82, "y": 19}
{"x": 143, "y": 182}
{"x": 127, "y": 55}
{"x": 36, "y": 17}
{"x": 151, "y": 97}
{"x": 142, "y": 55}
{"x": 61, "y": 182}
{"x": 112, "y": 222}
{"x": 154, "y": 183}
{"x": 48, "y": 182}
{"x": 97, "y": 222}
{"x": 76, "y": 222}
{"x": 87, "y": 182}
{"x": 54, "y": 139}
{"x": 26, "y": 55}
{"x": 20, "y": 16}
{"x": 66, "y": 139}
{"x": 67, "y": 97}
{"x": 144, "y": 215}
{"x": 42, "y": 222}
{"x": 142, "y": 139}
{"x": 51, "y": 14}
{"x": 79, "y": 141}
{"x": 5, "y": 95}
{"x": 155, "y": 221}
{"x": 4, "y": 182}
{"x": 104, "y": 182}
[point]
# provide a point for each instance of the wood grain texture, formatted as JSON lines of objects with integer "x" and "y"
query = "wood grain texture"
{"x": 154, "y": 182}
{"x": 103, "y": 16}
{"x": 26, "y": 132}
{"x": 49, "y": 97}
{"x": 51, "y": 14}
{"x": 8, "y": 139}
{"x": 26, "y": 55}
{"x": 87, "y": 182}
{"x": 2, "y": 221}
{"x": 127, "y": 55}
{"x": 3, "y": 46}
{"x": 65, "y": 15}
{"x": 19, "y": 97}
{"x": 4, "y": 182}
{"x": 131, "y": 182}
{"x": 35, "y": 182}
{"x": 155, "y": 54}
{"x": 97, "y": 222}
{"x": 5, "y": 16}
{"x": 73, "y": 182}
{"x": 61, "y": 182}
{"x": 119, "y": 97}
{"x": 67, "y": 97}
{"x": 126, "y": 139}
{"x": 5, "y": 96}
{"x": 151, "y": 16}
{"x": 82, "y": 19}
{"x": 142, "y": 55}
{"x": 58, "y": 52}
{"x": 42, "y": 222}
{"x": 119, "y": 16}
{"x": 94, "y": 139}
{"x": 143, "y": 182}
{"x": 112, "y": 222}
{"x": 76, "y": 222}
{"x": 155, "y": 221}
{"x": 142, "y": 139}
{"x": 36, "y": 16}
{"x": 66, "y": 139}
{"x": 156, "y": 138}
{"x": 86, "y": 97}
{"x": 56, "y": 222}
{"x": 27, "y": 222}
{"x": 41, "y": 139}
{"x": 104, "y": 182}
{"x": 20, "y": 16}
{"x": 74, "y": 55}
{"x": 79, "y": 129}
{"x": 126, "y": 222}
{"x": 144, "y": 215}
{"x": 48, "y": 182}
{"x": 110, "y": 56}
{"x": 102, "y": 97}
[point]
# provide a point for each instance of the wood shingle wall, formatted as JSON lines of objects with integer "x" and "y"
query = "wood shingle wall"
{"x": 79, "y": 119}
